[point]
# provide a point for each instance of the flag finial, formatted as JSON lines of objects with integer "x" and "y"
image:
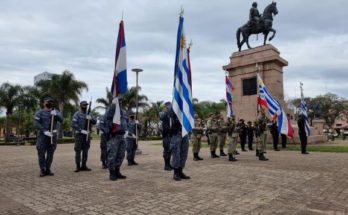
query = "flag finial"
{"x": 190, "y": 44}
{"x": 182, "y": 11}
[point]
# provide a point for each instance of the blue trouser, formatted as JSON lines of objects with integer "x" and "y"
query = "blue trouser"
{"x": 116, "y": 151}
{"x": 179, "y": 146}
{"x": 166, "y": 147}
{"x": 81, "y": 145}
{"x": 45, "y": 151}
{"x": 103, "y": 148}
{"x": 131, "y": 146}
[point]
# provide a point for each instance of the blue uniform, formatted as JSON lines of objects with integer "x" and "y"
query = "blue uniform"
{"x": 116, "y": 141}
{"x": 82, "y": 143}
{"x": 131, "y": 143}
{"x": 166, "y": 136}
{"x": 45, "y": 150}
{"x": 179, "y": 145}
{"x": 103, "y": 141}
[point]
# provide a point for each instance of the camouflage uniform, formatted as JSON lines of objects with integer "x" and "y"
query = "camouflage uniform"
{"x": 232, "y": 138}
{"x": 222, "y": 135}
{"x": 131, "y": 144}
{"x": 196, "y": 136}
{"x": 82, "y": 143}
{"x": 45, "y": 149}
{"x": 179, "y": 146}
{"x": 261, "y": 136}
{"x": 166, "y": 137}
{"x": 212, "y": 127}
{"x": 103, "y": 141}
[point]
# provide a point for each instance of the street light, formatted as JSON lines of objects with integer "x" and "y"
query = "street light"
{"x": 137, "y": 70}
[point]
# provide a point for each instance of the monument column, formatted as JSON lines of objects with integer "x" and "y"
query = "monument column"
{"x": 242, "y": 72}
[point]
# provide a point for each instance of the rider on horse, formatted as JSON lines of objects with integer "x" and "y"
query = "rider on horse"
{"x": 254, "y": 16}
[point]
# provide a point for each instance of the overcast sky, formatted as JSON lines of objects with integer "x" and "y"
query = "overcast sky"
{"x": 80, "y": 36}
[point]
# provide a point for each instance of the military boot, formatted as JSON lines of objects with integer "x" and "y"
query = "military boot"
{"x": 236, "y": 152}
{"x": 78, "y": 168}
{"x": 231, "y": 157}
{"x": 213, "y": 154}
{"x": 85, "y": 168}
{"x": 176, "y": 175}
{"x": 42, "y": 173}
{"x": 112, "y": 176}
{"x": 195, "y": 157}
{"x": 262, "y": 157}
{"x": 134, "y": 163}
{"x": 118, "y": 174}
{"x": 199, "y": 158}
{"x": 167, "y": 165}
{"x": 182, "y": 174}
{"x": 104, "y": 166}
{"x": 49, "y": 173}
{"x": 222, "y": 153}
{"x": 257, "y": 152}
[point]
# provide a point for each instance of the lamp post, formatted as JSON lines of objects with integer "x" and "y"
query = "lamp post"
{"x": 137, "y": 70}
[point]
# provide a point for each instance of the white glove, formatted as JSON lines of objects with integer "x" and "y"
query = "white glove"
{"x": 136, "y": 122}
{"x": 48, "y": 133}
{"x": 126, "y": 134}
{"x": 54, "y": 112}
{"x": 84, "y": 132}
{"x": 88, "y": 117}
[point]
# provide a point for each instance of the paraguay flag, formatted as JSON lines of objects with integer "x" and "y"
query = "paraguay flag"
{"x": 119, "y": 81}
{"x": 266, "y": 100}
{"x": 182, "y": 94}
{"x": 229, "y": 97}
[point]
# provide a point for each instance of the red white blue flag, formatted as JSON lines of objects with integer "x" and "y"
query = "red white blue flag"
{"x": 229, "y": 96}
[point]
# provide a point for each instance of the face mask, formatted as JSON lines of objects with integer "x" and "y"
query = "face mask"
{"x": 84, "y": 108}
{"x": 49, "y": 105}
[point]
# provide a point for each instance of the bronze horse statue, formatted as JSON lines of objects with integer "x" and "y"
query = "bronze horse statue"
{"x": 263, "y": 26}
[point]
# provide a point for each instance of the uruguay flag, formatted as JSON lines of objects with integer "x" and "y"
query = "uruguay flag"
{"x": 266, "y": 100}
{"x": 303, "y": 112}
{"x": 229, "y": 97}
{"x": 182, "y": 94}
{"x": 119, "y": 81}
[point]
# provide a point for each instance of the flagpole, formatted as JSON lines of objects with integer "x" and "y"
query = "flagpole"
{"x": 137, "y": 70}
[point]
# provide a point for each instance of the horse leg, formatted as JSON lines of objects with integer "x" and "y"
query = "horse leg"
{"x": 265, "y": 37}
{"x": 274, "y": 32}
{"x": 247, "y": 41}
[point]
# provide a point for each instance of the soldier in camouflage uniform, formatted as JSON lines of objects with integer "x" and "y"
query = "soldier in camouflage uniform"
{"x": 179, "y": 146}
{"x": 131, "y": 143}
{"x": 212, "y": 128}
{"x": 261, "y": 135}
{"x": 222, "y": 134}
{"x": 116, "y": 145}
{"x": 232, "y": 138}
{"x": 103, "y": 146}
{"x": 166, "y": 135}
{"x": 46, "y": 142}
{"x": 196, "y": 137}
{"x": 82, "y": 136}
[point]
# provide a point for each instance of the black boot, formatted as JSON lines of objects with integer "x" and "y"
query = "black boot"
{"x": 85, "y": 168}
{"x": 182, "y": 174}
{"x": 222, "y": 153}
{"x": 78, "y": 168}
{"x": 231, "y": 157}
{"x": 49, "y": 173}
{"x": 130, "y": 163}
{"x": 104, "y": 166}
{"x": 236, "y": 152}
{"x": 195, "y": 157}
{"x": 262, "y": 157}
{"x": 112, "y": 176}
{"x": 42, "y": 173}
{"x": 213, "y": 154}
{"x": 176, "y": 175}
{"x": 134, "y": 163}
{"x": 167, "y": 165}
{"x": 118, "y": 174}
{"x": 257, "y": 153}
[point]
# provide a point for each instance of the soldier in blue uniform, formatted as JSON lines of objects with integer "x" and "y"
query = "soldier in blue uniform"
{"x": 82, "y": 136}
{"x": 103, "y": 141}
{"x": 116, "y": 141}
{"x": 166, "y": 135}
{"x": 46, "y": 142}
{"x": 131, "y": 143}
{"x": 179, "y": 146}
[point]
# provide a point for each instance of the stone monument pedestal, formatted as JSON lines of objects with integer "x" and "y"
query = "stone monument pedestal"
{"x": 242, "y": 72}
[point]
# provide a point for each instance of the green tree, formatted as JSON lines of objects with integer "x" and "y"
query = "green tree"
{"x": 151, "y": 120}
{"x": 129, "y": 99}
{"x": 105, "y": 102}
{"x": 9, "y": 99}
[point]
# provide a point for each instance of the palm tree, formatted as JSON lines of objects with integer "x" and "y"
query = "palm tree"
{"x": 129, "y": 99}
{"x": 105, "y": 102}
{"x": 9, "y": 99}
{"x": 151, "y": 117}
{"x": 64, "y": 89}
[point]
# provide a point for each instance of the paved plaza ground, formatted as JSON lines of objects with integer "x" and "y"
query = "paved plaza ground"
{"x": 289, "y": 183}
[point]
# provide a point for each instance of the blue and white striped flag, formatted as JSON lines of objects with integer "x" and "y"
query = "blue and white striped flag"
{"x": 303, "y": 111}
{"x": 182, "y": 95}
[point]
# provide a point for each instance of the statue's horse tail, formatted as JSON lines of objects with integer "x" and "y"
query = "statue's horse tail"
{"x": 239, "y": 32}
